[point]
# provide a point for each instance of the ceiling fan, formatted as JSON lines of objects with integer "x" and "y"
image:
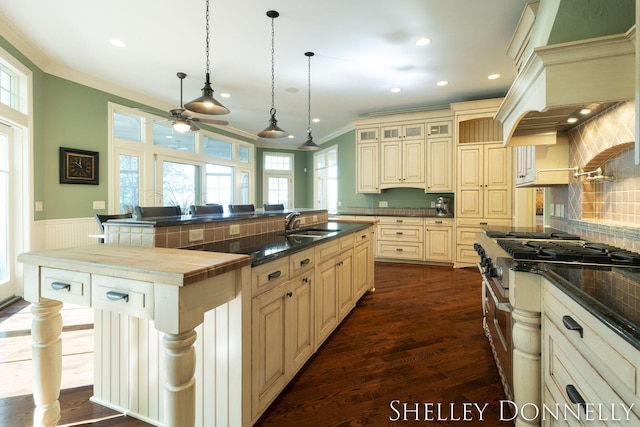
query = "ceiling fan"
{"x": 182, "y": 121}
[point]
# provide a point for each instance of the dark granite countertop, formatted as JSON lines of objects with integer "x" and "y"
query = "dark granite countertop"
{"x": 408, "y": 212}
{"x": 611, "y": 294}
{"x": 264, "y": 248}
{"x": 170, "y": 221}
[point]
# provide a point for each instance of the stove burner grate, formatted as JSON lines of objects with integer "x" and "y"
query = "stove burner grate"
{"x": 569, "y": 251}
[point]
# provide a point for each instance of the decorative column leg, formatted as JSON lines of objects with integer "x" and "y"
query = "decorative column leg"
{"x": 46, "y": 328}
{"x": 526, "y": 366}
{"x": 180, "y": 398}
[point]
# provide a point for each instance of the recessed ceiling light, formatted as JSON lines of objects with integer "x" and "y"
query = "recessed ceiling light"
{"x": 442, "y": 83}
{"x": 572, "y": 120}
{"x": 423, "y": 41}
{"x": 291, "y": 136}
{"x": 316, "y": 120}
{"x": 292, "y": 90}
{"x": 225, "y": 95}
{"x": 118, "y": 43}
{"x": 396, "y": 90}
{"x": 493, "y": 76}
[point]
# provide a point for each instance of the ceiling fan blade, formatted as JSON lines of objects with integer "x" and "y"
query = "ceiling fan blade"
{"x": 194, "y": 128}
{"x": 210, "y": 121}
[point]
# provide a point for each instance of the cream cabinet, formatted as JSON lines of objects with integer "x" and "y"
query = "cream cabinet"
{"x": 402, "y": 163}
{"x": 401, "y": 238}
{"x": 367, "y": 160}
{"x": 438, "y": 238}
{"x": 484, "y": 187}
{"x": 467, "y": 230}
{"x": 402, "y": 155}
{"x": 542, "y": 165}
{"x": 583, "y": 360}
{"x": 363, "y": 268}
{"x": 439, "y": 165}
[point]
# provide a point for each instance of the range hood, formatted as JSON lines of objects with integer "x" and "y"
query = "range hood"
{"x": 558, "y": 81}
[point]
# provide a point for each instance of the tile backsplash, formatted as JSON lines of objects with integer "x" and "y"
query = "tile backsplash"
{"x": 608, "y": 211}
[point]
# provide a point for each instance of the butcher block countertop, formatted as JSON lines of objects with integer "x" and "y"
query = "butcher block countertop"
{"x": 170, "y": 266}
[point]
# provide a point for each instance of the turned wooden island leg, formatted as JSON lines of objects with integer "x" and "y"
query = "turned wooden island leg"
{"x": 46, "y": 328}
{"x": 180, "y": 398}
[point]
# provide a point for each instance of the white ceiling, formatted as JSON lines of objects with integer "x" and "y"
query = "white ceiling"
{"x": 363, "y": 48}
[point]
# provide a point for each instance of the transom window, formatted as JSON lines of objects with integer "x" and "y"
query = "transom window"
{"x": 155, "y": 165}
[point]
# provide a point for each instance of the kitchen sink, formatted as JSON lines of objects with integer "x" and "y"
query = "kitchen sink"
{"x": 316, "y": 233}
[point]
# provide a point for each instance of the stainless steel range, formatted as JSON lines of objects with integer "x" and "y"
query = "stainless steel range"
{"x": 507, "y": 257}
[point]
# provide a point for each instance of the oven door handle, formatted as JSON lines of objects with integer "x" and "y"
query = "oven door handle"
{"x": 502, "y": 306}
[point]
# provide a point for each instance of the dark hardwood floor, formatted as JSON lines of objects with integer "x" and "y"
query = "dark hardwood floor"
{"x": 416, "y": 340}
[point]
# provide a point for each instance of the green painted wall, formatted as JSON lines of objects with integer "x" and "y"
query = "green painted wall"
{"x": 580, "y": 19}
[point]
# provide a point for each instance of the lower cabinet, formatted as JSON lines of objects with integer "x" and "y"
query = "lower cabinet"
{"x": 437, "y": 236}
{"x": 297, "y": 302}
{"x": 401, "y": 238}
{"x": 584, "y": 361}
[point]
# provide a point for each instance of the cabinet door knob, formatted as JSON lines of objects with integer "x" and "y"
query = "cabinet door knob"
{"x": 289, "y": 294}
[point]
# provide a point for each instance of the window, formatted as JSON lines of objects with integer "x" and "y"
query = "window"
{"x": 155, "y": 165}
{"x": 8, "y": 88}
{"x": 326, "y": 179}
{"x": 278, "y": 179}
{"x": 5, "y": 202}
{"x": 219, "y": 184}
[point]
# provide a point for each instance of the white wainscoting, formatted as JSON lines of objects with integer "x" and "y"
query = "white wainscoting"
{"x": 65, "y": 233}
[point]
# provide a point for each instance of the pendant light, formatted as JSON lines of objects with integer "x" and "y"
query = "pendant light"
{"x": 273, "y": 131}
{"x": 309, "y": 145}
{"x": 206, "y": 104}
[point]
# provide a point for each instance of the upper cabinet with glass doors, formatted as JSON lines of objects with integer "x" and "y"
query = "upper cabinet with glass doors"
{"x": 405, "y": 151}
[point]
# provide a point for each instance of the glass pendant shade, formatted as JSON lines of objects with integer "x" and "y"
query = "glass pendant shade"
{"x": 273, "y": 131}
{"x": 181, "y": 126}
{"x": 206, "y": 104}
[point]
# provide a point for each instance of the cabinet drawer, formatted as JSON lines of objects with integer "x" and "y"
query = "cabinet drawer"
{"x": 565, "y": 368}
{"x": 613, "y": 358}
{"x": 346, "y": 242}
{"x": 411, "y": 251}
{"x": 466, "y": 254}
{"x": 67, "y": 286}
{"x": 480, "y": 222}
{"x": 124, "y": 296}
{"x": 267, "y": 276}
{"x": 467, "y": 236}
{"x": 401, "y": 234}
{"x": 400, "y": 220}
{"x": 438, "y": 222}
{"x": 363, "y": 237}
{"x": 301, "y": 261}
{"x": 327, "y": 250}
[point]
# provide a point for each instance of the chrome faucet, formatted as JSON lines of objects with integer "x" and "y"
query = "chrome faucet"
{"x": 291, "y": 221}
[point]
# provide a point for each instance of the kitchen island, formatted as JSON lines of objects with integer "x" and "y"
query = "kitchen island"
{"x": 171, "y": 288}
{"x": 296, "y": 287}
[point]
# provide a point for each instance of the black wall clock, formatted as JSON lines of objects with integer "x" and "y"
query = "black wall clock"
{"x": 78, "y": 166}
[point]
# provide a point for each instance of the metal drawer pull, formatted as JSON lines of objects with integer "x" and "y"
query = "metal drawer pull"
{"x": 399, "y": 233}
{"x": 364, "y": 236}
{"x": 574, "y": 396}
{"x": 59, "y": 286}
{"x": 398, "y": 249}
{"x": 117, "y": 296}
{"x": 399, "y": 220}
{"x": 438, "y": 222}
{"x": 572, "y": 325}
{"x": 274, "y": 275}
{"x": 305, "y": 261}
